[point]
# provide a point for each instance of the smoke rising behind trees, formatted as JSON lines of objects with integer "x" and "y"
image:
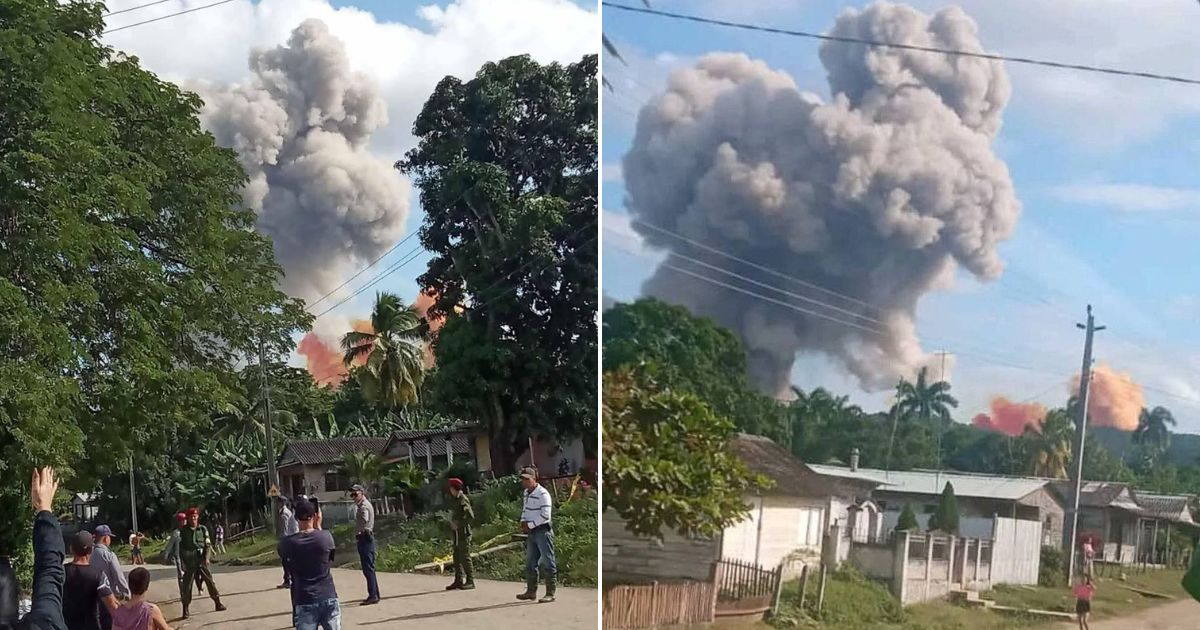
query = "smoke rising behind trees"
{"x": 879, "y": 194}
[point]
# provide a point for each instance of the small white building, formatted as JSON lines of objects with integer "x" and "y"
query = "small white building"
{"x": 792, "y": 517}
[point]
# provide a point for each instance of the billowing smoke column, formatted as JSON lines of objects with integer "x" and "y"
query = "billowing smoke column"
{"x": 323, "y": 357}
{"x": 300, "y": 128}
{"x": 1011, "y": 418}
{"x": 1114, "y": 400}
{"x": 879, "y": 194}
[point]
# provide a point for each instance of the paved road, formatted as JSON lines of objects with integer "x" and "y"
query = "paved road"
{"x": 408, "y": 601}
{"x": 1180, "y": 615}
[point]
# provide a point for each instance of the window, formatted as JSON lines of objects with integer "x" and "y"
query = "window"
{"x": 336, "y": 481}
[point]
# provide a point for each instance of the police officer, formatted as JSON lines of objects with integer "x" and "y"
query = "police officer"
{"x": 461, "y": 516}
{"x": 195, "y": 549}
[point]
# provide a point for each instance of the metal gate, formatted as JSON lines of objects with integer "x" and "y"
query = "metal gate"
{"x": 1017, "y": 551}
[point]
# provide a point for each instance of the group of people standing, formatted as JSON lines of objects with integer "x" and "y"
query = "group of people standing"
{"x": 92, "y": 593}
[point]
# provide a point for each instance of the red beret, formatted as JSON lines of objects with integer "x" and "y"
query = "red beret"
{"x": 193, "y": 511}
{"x": 456, "y": 483}
{"x": 181, "y": 516}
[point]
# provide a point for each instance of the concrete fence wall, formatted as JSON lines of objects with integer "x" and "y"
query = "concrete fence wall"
{"x": 924, "y": 567}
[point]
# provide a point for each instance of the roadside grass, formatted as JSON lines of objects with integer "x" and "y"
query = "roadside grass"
{"x": 853, "y": 602}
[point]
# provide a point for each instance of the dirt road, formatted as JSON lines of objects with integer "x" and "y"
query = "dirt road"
{"x": 1180, "y": 615}
{"x": 408, "y": 601}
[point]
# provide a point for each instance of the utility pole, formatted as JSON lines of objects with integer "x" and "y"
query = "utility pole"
{"x": 940, "y": 429}
{"x": 1072, "y": 520}
{"x": 132, "y": 497}
{"x": 272, "y": 478}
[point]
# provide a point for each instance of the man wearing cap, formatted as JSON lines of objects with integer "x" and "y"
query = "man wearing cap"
{"x": 107, "y": 561}
{"x": 364, "y": 527}
{"x": 461, "y": 516}
{"x": 85, "y": 589}
{"x": 195, "y": 549}
{"x": 308, "y": 555}
{"x": 539, "y": 547}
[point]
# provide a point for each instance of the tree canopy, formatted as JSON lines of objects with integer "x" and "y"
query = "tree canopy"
{"x": 131, "y": 278}
{"x": 507, "y": 172}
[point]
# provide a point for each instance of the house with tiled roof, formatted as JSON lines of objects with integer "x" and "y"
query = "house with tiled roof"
{"x": 314, "y": 467}
{"x": 434, "y": 449}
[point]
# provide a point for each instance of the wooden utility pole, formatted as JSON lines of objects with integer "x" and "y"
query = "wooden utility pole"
{"x": 1072, "y": 520}
{"x": 132, "y": 498}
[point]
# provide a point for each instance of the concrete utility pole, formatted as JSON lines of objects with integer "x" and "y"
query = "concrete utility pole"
{"x": 1072, "y": 520}
{"x": 272, "y": 478}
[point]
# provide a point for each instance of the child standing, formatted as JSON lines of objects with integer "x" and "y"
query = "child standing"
{"x": 1083, "y": 601}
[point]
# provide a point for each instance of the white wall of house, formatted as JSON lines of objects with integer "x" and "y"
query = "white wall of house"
{"x": 788, "y": 524}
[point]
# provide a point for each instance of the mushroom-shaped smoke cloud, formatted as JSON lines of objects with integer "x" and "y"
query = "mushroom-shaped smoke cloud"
{"x": 876, "y": 197}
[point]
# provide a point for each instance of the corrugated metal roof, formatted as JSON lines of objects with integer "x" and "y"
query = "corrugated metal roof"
{"x": 1100, "y": 494}
{"x": 398, "y": 447}
{"x": 316, "y": 452}
{"x": 932, "y": 482}
{"x": 1168, "y": 506}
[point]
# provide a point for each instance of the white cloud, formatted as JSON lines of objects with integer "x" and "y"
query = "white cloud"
{"x": 619, "y": 232}
{"x": 1131, "y": 197}
{"x": 407, "y": 62}
{"x": 1099, "y": 112}
{"x": 611, "y": 172}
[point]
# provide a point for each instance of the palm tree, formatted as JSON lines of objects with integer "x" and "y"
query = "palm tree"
{"x": 395, "y": 365}
{"x": 1153, "y": 430}
{"x": 403, "y": 481}
{"x": 1051, "y": 448}
{"x": 813, "y": 415}
{"x": 363, "y": 467}
{"x": 247, "y": 420}
{"x": 923, "y": 400}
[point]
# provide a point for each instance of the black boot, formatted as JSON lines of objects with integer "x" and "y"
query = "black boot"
{"x": 185, "y": 612}
{"x": 551, "y": 585}
{"x": 469, "y": 584}
{"x": 530, "y": 593}
{"x": 220, "y": 606}
{"x": 456, "y": 585}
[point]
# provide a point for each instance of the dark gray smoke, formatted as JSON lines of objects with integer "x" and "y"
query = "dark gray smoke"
{"x": 879, "y": 194}
{"x": 300, "y": 128}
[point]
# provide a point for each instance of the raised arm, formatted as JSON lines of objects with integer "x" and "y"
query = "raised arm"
{"x": 49, "y": 553}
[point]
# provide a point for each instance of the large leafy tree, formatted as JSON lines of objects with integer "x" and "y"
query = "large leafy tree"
{"x": 131, "y": 278}
{"x": 394, "y": 351}
{"x": 668, "y": 460}
{"x": 506, "y": 166}
{"x": 695, "y": 354}
{"x": 817, "y": 417}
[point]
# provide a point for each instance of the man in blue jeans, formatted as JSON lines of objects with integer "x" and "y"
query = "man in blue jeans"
{"x": 539, "y": 547}
{"x": 308, "y": 557}
{"x": 364, "y": 527}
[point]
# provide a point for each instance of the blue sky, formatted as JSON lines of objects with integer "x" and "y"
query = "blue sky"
{"x": 404, "y": 47}
{"x": 1104, "y": 168}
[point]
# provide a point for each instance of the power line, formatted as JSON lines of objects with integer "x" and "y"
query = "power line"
{"x": 883, "y": 44}
{"x": 525, "y": 265}
{"x": 360, "y": 271}
{"x": 140, "y": 6}
{"x": 409, "y": 257}
{"x": 163, "y": 17}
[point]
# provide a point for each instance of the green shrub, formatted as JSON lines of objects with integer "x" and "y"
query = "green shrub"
{"x": 908, "y": 520}
{"x": 1052, "y": 569}
{"x": 851, "y": 601}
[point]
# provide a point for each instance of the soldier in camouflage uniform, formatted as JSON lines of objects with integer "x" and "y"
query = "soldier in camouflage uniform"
{"x": 461, "y": 516}
{"x": 195, "y": 548}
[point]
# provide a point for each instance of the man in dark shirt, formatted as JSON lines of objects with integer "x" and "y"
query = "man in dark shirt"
{"x": 86, "y": 588}
{"x": 48, "y": 553}
{"x": 308, "y": 557}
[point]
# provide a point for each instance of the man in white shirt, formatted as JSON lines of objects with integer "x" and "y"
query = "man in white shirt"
{"x": 539, "y": 547}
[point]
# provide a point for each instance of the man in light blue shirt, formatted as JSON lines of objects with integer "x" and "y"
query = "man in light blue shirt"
{"x": 539, "y": 547}
{"x": 107, "y": 561}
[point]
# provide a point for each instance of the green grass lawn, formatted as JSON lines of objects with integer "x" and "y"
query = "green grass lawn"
{"x": 855, "y": 603}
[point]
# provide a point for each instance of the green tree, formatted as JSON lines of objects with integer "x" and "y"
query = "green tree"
{"x": 925, "y": 401}
{"x": 363, "y": 467}
{"x": 506, "y": 167}
{"x": 404, "y": 481}
{"x": 908, "y": 520}
{"x": 668, "y": 460}
{"x": 131, "y": 278}
{"x": 395, "y": 354}
{"x": 1154, "y": 429}
{"x": 824, "y": 425}
{"x": 945, "y": 519}
{"x": 1050, "y": 448}
{"x": 697, "y": 355}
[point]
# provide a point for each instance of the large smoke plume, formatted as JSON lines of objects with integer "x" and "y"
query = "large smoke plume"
{"x": 301, "y": 127}
{"x": 1114, "y": 400}
{"x": 1011, "y": 418}
{"x": 879, "y": 194}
